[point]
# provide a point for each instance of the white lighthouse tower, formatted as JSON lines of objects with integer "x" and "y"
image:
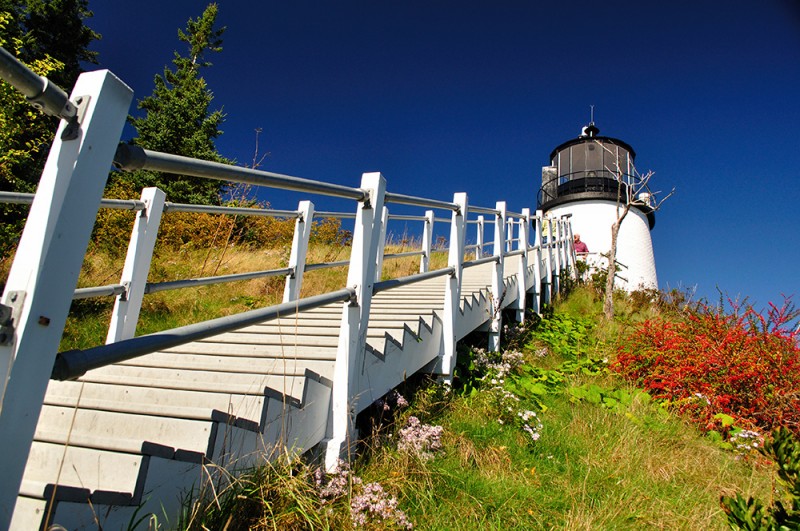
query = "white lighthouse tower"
{"x": 585, "y": 178}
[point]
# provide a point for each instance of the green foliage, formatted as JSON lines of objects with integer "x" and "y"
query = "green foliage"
{"x": 617, "y": 400}
{"x": 751, "y": 514}
{"x": 56, "y": 28}
{"x": 565, "y": 335}
{"x": 178, "y": 118}
{"x": 51, "y": 39}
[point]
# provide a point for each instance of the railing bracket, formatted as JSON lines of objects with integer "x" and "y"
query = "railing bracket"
{"x": 74, "y": 124}
{"x": 9, "y": 313}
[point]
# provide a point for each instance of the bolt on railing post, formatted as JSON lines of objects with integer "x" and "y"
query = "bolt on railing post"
{"x": 384, "y": 220}
{"x": 48, "y": 260}
{"x": 452, "y": 296}
{"x": 340, "y": 435}
{"x": 523, "y": 275}
{"x": 427, "y": 242}
{"x": 128, "y": 305}
{"x": 496, "y": 319}
{"x": 480, "y": 236}
{"x": 297, "y": 258}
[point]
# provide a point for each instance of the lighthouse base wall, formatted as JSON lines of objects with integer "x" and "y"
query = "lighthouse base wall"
{"x": 592, "y": 219}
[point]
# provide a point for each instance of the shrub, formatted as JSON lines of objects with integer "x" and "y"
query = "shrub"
{"x": 741, "y": 363}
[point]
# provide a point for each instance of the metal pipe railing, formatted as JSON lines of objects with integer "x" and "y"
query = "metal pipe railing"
{"x": 98, "y": 291}
{"x": 482, "y": 210}
{"x": 411, "y": 279}
{"x": 401, "y": 255}
{"x": 479, "y": 261}
{"x": 402, "y": 217}
{"x": 74, "y": 363}
{"x": 118, "y": 204}
{"x": 131, "y": 158}
{"x": 205, "y": 281}
{"x": 326, "y": 265}
{"x": 401, "y": 199}
{"x": 40, "y": 91}
{"x": 242, "y": 211}
{"x": 340, "y": 215}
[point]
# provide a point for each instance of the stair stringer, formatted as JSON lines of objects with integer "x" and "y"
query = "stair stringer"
{"x": 382, "y": 369}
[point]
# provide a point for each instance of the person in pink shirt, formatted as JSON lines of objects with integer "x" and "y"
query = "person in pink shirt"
{"x": 578, "y": 245}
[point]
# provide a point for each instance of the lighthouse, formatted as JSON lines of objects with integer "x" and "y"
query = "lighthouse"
{"x": 590, "y": 178}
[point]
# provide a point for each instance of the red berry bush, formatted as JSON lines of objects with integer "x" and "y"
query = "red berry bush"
{"x": 741, "y": 363}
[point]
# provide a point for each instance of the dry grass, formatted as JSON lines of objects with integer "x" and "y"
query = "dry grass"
{"x": 89, "y": 319}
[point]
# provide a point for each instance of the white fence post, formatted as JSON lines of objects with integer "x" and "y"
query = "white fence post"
{"x": 564, "y": 244}
{"x": 480, "y": 236}
{"x": 297, "y": 259}
{"x": 355, "y": 318}
{"x": 559, "y": 264}
{"x": 537, "y": 257}
{"x": 498, "y": 286}
{"x": 427, "y": 241}
{"x": 571, "y": 257}
{"x": 548, "y": 258}
{"x": 128, "y": 305}
{"x": 523, "y": 277}
{"x": 452, "y": 295}
{"x": 509, "y": 235}
{"x": 45, "y": 271}
{"x": 384, "y": 220}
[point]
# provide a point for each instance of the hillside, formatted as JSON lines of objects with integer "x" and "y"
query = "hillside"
{"x": 542, "y": 436}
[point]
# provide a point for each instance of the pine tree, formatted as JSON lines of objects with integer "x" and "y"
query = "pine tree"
{"x": 178, "y": 118}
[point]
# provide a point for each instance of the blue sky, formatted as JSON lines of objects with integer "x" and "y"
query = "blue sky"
{"x": 445, "y": 96}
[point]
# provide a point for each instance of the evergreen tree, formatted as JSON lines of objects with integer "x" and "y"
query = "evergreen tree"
{"x": 56, "y": 28}
{"x": 178, "y": 118}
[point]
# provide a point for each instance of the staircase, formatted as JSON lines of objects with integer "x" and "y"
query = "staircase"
{"x": 135, "y": 437}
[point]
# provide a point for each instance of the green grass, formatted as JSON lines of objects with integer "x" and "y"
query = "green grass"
{"x": 632, "y": 467}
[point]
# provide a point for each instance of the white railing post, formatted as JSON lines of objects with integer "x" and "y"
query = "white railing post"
{"x": 571, "y": 257}
{"x": 510, "y": 235}
{"x": 128, "y": 305}
{"x": 564, "y": 244}
{"x": 548, "y": 258}
{"x": 479, "y": 248}
{"x": 355, "y": 318}
{"x": 452, "y": 295}
{"x": 537, "y": 257}
{"x": 381, "y": 244}
{"x": 498, "y": 286}
{"x": 558, "y": 265}
{"x": 427, "y": 241}
{"x": 523, "y": 277}
{"x": 297, "y": 259}
{"x": 45, "y": 271}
